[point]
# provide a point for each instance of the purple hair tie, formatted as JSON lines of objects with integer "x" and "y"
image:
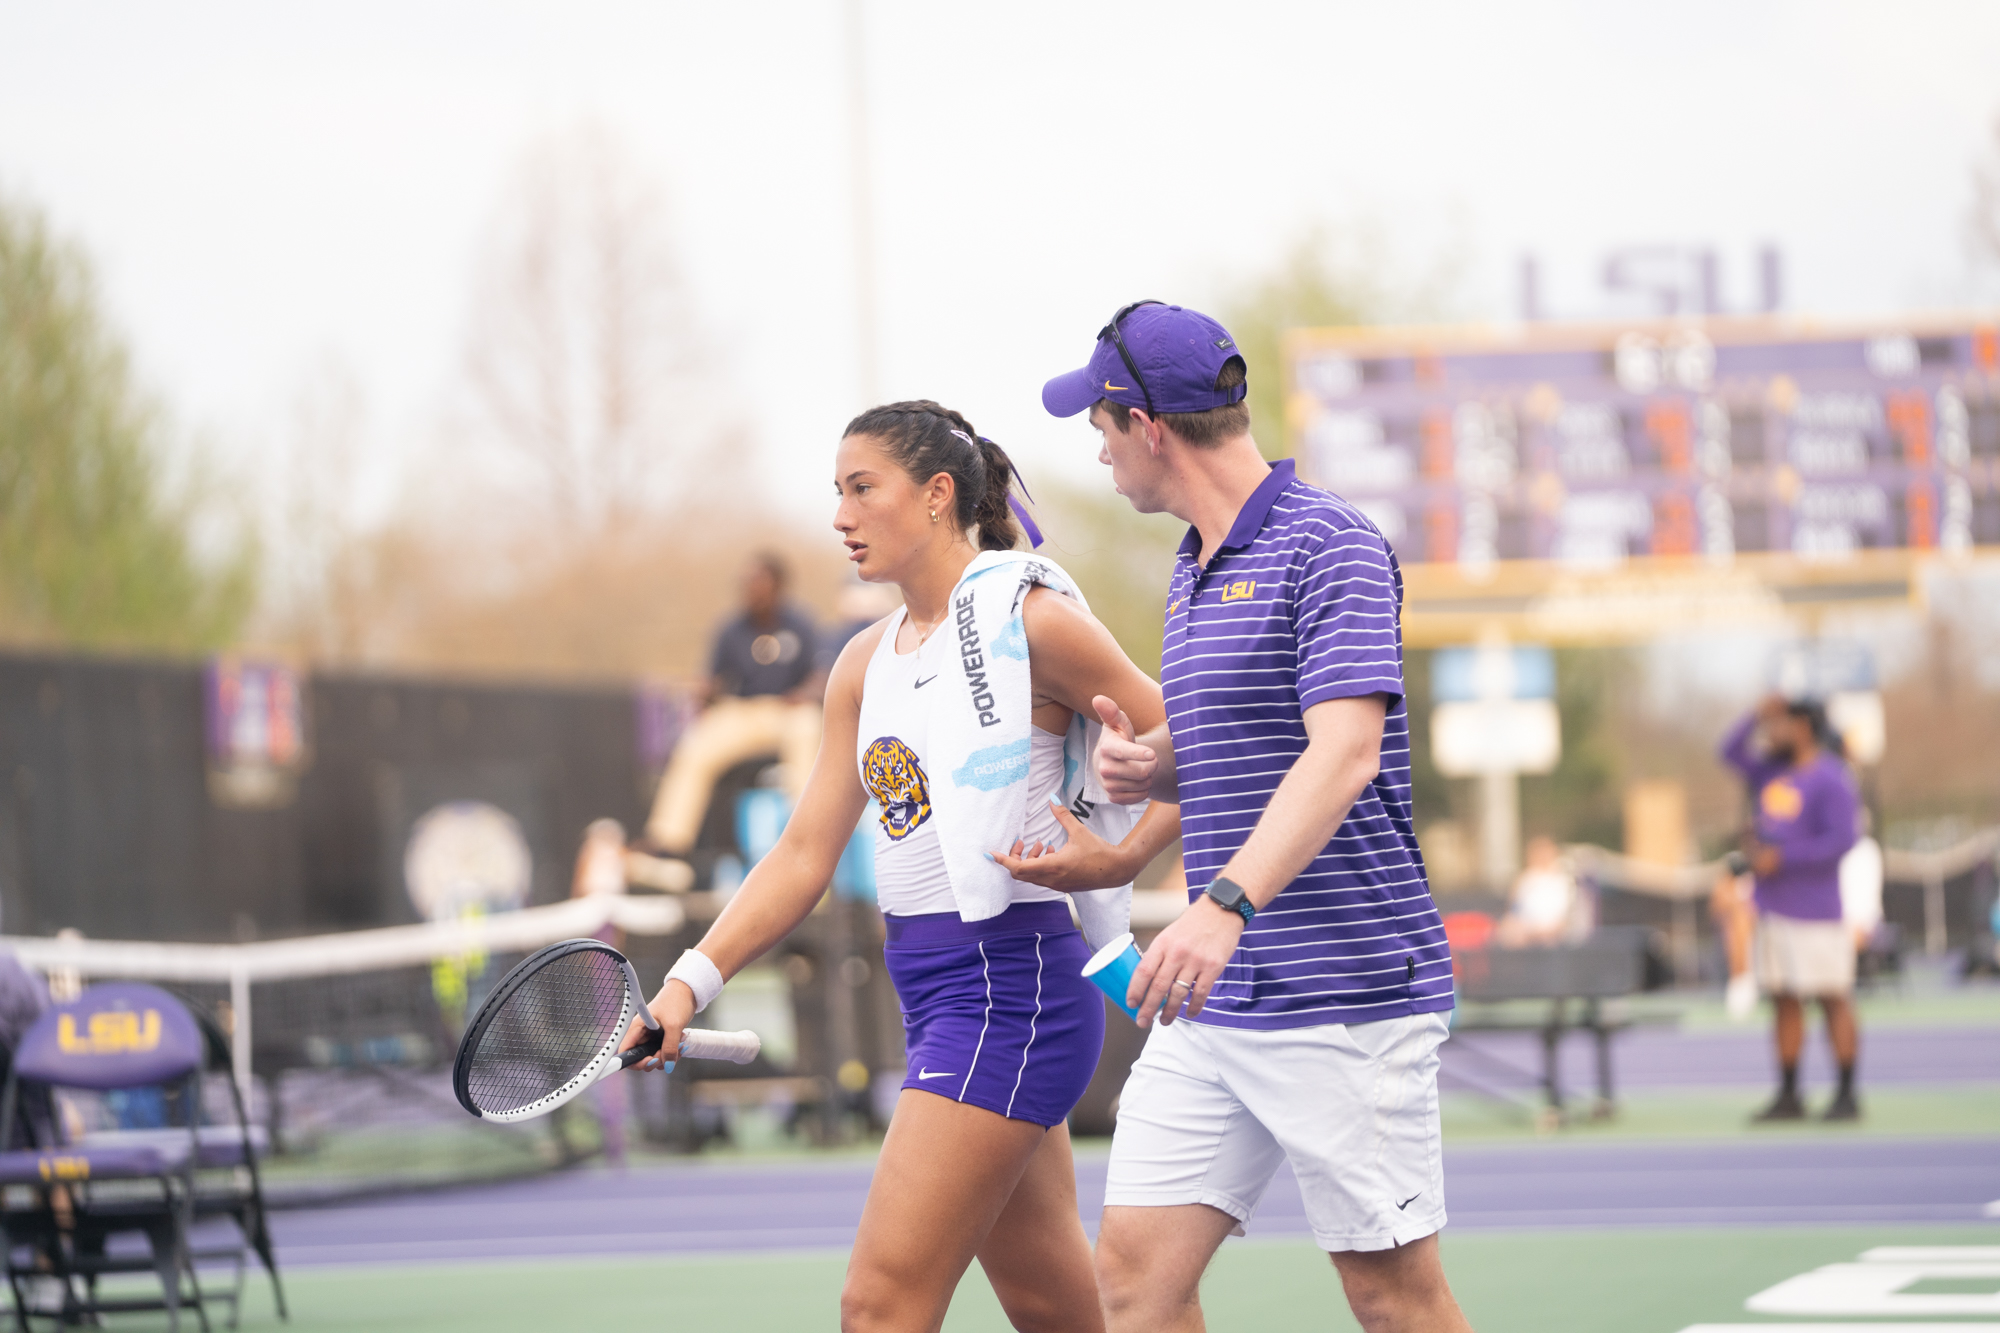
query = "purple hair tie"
{"x": 1021, "y": 512}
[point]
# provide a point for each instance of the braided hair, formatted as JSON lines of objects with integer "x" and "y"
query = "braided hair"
{"x": 925, "y": 439}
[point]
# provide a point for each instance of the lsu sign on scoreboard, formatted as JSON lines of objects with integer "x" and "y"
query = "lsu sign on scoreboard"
{"x": 1592, "y": 482}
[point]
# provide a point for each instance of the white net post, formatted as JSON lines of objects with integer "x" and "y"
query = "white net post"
{"x": 239, "y": 1033}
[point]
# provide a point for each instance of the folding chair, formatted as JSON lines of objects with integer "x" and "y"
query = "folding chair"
{"x": 230, "y": 1183}
{"x": 227, "y": 1180}
{"x": 63, "y": 1201}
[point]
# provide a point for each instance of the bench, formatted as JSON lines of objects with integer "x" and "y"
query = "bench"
{"x": 1579, "y": 982}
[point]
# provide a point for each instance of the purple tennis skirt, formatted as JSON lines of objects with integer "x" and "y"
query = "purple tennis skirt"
{"x": 997, "y": 1013}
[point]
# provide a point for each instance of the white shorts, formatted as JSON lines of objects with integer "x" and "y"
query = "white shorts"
{"x": 1209, "y": 1112}
{"x": 1806, "y": 958}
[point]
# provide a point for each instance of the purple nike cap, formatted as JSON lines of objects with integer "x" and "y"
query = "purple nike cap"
{"x": 1176, "y": 354}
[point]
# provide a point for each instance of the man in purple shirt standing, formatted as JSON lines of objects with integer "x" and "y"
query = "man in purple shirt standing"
{"x": 1805, "y": 817}
{"x": 1306, "y": 987}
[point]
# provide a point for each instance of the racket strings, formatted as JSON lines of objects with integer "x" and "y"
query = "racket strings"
{"x": 545, "y": 1033}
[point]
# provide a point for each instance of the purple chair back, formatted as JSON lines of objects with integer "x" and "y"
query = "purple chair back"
{"x": 118, "y": 1035}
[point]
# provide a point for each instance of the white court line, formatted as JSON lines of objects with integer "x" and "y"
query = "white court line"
{"x": 1878, "y": 1285}
{"x": 1878, "y": 1289}
{"x": 1932, "y": 1254}
{"x": 1842, "y": 1328}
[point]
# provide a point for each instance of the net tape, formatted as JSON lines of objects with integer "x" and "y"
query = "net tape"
{"x": 350, "y": 951}
{"x": 338, "y": 955}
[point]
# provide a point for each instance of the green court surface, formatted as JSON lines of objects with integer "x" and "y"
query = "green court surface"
{"x": 1627, "y": 1281}
{"x": 1890, "y": 1111}
{"x": 1925, "y": 1000}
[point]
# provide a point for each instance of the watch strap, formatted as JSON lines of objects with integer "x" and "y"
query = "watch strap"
{"x": 1228, "y": 893}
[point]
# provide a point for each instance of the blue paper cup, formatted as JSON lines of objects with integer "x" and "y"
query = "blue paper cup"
{"x": 1111, "y": 969}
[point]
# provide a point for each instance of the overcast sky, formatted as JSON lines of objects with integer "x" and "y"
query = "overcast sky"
{"x": 264, "y": 186}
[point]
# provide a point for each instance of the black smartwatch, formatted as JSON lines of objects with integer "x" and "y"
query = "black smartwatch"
{"x": 1228, "y": 893}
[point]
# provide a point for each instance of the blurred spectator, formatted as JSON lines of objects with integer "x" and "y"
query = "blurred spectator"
{"x": 1985, "y": 957}
{"x": 600, "y": 861}
{"x": 1861, "y": 886}
{"x": 1878, "y": 942}
{"x": 600, "y": 868}
{"x": 22, "y": 999}
{"x": 1731, "y": 907}
{"x": 861, "y": 605}
{"x": 763, "y": 694}
{"x": 1544, "y": 906}
{"x": 23, "y": 996}
{"x": 1805, "y": 818}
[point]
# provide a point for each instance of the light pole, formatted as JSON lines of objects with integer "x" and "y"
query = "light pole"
{"x": 863, "y": 214}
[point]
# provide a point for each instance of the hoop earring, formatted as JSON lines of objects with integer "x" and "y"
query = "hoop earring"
{"x": 933, "y": 515}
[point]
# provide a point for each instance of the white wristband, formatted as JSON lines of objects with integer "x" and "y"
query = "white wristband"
{"x": 698, "y": 974}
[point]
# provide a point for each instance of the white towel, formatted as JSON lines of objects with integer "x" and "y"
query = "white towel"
{"x": 979, "y": 747}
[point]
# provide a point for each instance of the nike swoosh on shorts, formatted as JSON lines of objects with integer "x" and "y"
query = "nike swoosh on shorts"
{"x": 923, "y": 1074}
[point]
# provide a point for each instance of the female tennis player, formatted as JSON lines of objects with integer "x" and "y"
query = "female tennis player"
{"x": 1003, "y": 1031}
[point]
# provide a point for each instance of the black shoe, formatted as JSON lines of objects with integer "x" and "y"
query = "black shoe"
{"x": 1844, "y": 1107}
{"x": 1785, "y": 1106}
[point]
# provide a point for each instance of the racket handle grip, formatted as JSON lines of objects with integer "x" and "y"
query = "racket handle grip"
{"x": 739, "y": 1048}
{"x": 648, "y": 1045}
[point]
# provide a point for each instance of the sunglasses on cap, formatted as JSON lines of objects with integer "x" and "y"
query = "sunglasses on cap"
{"x": 1118, "y": 341}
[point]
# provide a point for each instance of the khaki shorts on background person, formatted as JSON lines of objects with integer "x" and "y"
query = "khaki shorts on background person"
{"x": 728, "y": 732}
{"x": 1810, "y": 959}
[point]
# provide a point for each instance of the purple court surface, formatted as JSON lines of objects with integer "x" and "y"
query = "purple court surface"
{"x": 706, "y": 1207}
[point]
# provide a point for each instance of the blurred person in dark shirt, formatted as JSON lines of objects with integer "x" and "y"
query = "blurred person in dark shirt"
{"x": 23, "y": 997}
{"x": 860, "y": 605}
{"x": 763, "y": 697}
{"x": 1805, "y": 816}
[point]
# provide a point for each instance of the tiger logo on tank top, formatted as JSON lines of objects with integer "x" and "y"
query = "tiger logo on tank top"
{"x": 896, "y": 780}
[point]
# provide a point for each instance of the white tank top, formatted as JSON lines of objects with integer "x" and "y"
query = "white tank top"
{"x": 893, "y": 750}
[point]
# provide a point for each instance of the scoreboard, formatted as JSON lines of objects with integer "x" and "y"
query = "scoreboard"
{"x": 1590, "y": 445}
{"x": 1505, "y": 464}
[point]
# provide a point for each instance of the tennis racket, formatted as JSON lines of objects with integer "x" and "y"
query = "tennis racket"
{"x": 551, "y": 1028}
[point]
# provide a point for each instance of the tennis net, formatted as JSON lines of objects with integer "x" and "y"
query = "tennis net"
{"x": 353, "y": 1032}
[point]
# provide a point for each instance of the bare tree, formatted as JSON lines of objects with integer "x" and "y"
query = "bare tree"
{"x": 318, "y": 555}
{"x": 582, "y": 354}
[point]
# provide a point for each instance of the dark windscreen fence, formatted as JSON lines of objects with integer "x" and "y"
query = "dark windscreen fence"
{"x": 238, "y": 801}
{"x": 1944, "y": 914}
{"x": 115, "y": 819}
{"x": 1949, "y": 912}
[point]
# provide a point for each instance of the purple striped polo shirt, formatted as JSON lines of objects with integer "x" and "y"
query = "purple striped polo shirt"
{"x": 1302, "y": 603}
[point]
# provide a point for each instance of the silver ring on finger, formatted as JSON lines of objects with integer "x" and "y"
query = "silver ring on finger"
{"x": 1188, "y": 984}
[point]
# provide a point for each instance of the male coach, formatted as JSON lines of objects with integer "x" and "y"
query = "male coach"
{"x": 1306, "y": 985}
